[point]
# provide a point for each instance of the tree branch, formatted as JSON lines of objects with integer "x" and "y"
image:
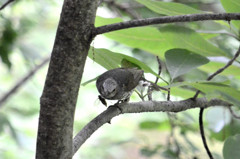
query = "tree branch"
{"x": 220, "y": 70}
{"x": 166, "y": 19}
{"x": 5, "y": 4}
{"x": 4, "y": 98}
{"x": 139, "y": 107}
{"x": 233, "y": 114}
{"x": 59, "y": 97}
{"x": 202, "y": 109}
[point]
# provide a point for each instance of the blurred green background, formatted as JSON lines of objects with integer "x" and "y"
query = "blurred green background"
{"x": 27, "y": 32}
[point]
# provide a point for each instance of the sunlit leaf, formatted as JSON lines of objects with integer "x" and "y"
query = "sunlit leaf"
{"x": 185, "y": 38}
{"x": 159, "y": 41}
{"x": 212, "y": 67}
{"x": 168, "y": 8}
{"x": 148, "y": 125}
{"x": 146, "y": 38}
{"x": 180, "y": 61}
{"x": 213, "y": 90}
{"x": 181, "y": 92}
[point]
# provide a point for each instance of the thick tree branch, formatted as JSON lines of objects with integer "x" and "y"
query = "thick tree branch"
{"x": 59, "y": 97}
{"x": 32, "y": 72}
{"x": 166, "y": 19}
{"x": 138, "y": 107}
{"x": 5, "y": 4}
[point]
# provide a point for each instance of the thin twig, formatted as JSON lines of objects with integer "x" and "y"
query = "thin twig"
{"x": 166, "y": 19}
{"x": 203, "y": 134}
{"x": 159, "y": 69}
{"x": 5, "y": 4}
{"x": 220, "y": 70}
{"x": 150, "y": 90}
{"x": 202, "y": 109}
{"x": 22, "y": 81}
{"x": 233, "y": 114}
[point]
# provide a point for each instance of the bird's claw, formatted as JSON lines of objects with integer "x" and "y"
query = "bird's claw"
{"x": 116, "y": 105}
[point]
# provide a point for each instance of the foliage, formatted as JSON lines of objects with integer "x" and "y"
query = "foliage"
{"x": 185, "y": 50}
{"x": 189, "y": 53}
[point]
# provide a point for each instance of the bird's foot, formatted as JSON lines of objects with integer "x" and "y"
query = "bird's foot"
{"x": 116, "y": 105}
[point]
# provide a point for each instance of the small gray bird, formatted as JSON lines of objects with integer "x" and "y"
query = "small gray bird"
{"x": 118, "y": 84}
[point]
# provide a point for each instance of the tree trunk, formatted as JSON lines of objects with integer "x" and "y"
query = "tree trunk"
{"x": 58, "y": 100}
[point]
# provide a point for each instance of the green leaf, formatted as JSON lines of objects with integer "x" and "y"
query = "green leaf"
{"x": 127, "y": 64}
{"x": 7, "y": 39}
{"x": 159, "y": 41}
{"x": 170, "y": 153}
{"x": 111, "y": 60}
{"x": 148, "y": 151}
{"x": 185, "y": 38}
{"x": 149, "y": 125}
{"x": 4, "y": 121}
{"x": 89, "y": 81}
{"x": 213, "y": 90}
{"x": 229, "y": 130}
{"x": 168, "y": 8}
{"x": 181, "y": 61}
{"x": 181, "y": 92}
{"x": 231, "y": 148}
{"x": 232, "y": 6}
{"x": 229, "y": 98}
{"x": 211, "y": 67}
{"x": 100, "y": 21}
{"x": 145, "y": 38}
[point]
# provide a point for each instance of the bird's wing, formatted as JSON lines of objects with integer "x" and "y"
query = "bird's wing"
{"x": 137, "y": 76}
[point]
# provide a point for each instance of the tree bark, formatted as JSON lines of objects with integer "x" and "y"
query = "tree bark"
{"x": 58, "y": 100}
{"x": 138, "y": 107}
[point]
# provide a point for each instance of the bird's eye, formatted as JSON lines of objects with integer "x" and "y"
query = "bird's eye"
{"x": 114, "y": 89}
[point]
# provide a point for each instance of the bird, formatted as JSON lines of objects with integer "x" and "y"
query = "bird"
{"x": 118, "y": 84}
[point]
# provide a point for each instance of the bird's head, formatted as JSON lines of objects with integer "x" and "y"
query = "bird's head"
{"x": 109, "y": 88}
